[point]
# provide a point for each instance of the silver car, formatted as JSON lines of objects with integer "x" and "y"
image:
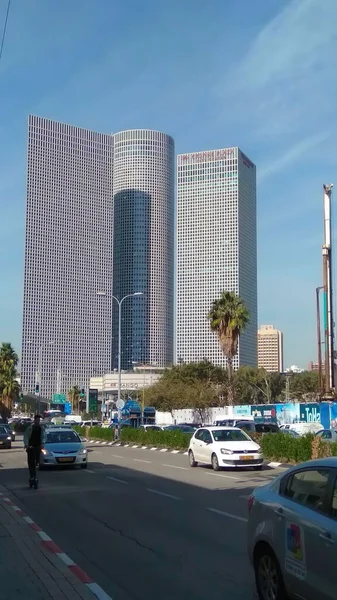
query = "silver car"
{"x": 292, "y": 533}
{"x": 63, "y": 447}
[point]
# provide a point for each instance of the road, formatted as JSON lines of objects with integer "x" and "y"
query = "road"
{"x": 143, "y": 524}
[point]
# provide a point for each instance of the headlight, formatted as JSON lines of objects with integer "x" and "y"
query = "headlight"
{"x": 223, "y": 451}
{"x": 9, "y": 437}
{"x": 258, "y": 449}
{"x": 46, "y": 452}
{"x": 82, "y": 451}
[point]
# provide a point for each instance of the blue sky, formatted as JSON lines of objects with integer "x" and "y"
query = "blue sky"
{"x": 254, "y": 73}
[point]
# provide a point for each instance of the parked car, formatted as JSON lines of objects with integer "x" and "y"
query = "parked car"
{"x": 230, "y": 422}
{"x": 328, "y": 435}
{"x": 224, "y": 447}
{"x": 182, "y": 428}
{"x": 265, "y": 427}
{"x": 5, "y": 437}
{"x": 291, "y": 432}
{"x": 151, "y": 427}
{"x": 292, "y": 533}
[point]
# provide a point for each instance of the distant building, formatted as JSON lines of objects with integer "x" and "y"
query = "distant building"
{"x": 313, "y": 366}
{"x": 216, "y": 250}
{"x": 270, "y": 349}
{"x": 294, "y": 369}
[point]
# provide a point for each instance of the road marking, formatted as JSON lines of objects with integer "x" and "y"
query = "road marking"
{"x": 164, "y": 450}
{"x": 223, "y": 476}
{"x": 97, "y": 452}
{"x": 163, "y": 494}
{"x": 65, "y": 558}
{"x": 226, "y": 514}
{"x": 88, "y": 471}
{"x": 44, "y": 537}
{"x": 98, "y": 591}
{"x": 175, "y": 451}
{"x": 142, "y": 461}
{"x": 117, "y": 456}
{"x": 144, "y": 448}
{"x": 185, "y": 453}
{"x": 118, "y": 480}
{"x": 153, "y": 448}
{"x": 274, "y": 464}
{"x": 245, "y": 496}
{"x": 126, "y": 445}
{"x": 134, "y": 446}
{"x": 176, "y": 467}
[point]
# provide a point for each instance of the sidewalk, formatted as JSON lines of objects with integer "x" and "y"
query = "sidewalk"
{"x": 28, "y": 570}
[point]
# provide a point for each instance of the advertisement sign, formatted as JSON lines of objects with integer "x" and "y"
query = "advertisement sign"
{"x": 288, "y": 413}
{"x": 310, "y": 413}
{"x": 264, "y": 412}
{"x": 242, "y": 410}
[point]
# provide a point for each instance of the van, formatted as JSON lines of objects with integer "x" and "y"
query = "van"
{"x": 303, "y": 428}
{"x": 73, "y": 419}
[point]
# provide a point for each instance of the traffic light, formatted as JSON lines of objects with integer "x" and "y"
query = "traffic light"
{"x": 37, "y": 389}
{"x": 82, "y": 394}
{"x": 21, "y": 397}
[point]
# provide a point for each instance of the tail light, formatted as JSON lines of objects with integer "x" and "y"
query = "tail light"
{"x": 251, "y": 502}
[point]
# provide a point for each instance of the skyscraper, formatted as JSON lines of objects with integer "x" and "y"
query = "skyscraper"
{"x": 143, "y": 250}
{"x": 68, "y": 256}
{"x": 270, "y": 349}
{"x": 216, "y": 249}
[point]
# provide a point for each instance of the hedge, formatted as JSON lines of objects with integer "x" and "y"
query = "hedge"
{"x": 160, "y": 439}
{"x": 279, "y": 447}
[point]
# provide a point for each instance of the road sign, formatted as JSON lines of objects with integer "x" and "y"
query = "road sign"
{"x": 59, "y": 398}
{"x": 93, "y": 400}
{"x": 120, "y": 404}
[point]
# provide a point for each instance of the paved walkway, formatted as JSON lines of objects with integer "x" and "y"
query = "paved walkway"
{"x": 28, "y": 571}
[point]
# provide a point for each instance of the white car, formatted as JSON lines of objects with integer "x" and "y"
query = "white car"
{"x": 224, "y": 447}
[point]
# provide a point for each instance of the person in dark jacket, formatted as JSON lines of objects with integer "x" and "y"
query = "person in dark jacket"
{"x": 34, "y": 439}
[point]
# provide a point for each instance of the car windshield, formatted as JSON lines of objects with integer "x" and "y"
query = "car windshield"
{"x": 3, "y": 430}
{"x": 62, "y": 437}
{"x": 228, "y": 435}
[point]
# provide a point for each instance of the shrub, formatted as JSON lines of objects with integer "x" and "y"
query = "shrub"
{"x": 285, "y": 448}
{"x": 164, "y": 439}
{"x": 95, "y": 433}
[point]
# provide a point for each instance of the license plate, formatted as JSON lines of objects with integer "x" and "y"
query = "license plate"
{"x": 1, "y": 442}
{"x": 66, "y": 459}
{"x": 246, "y": 457}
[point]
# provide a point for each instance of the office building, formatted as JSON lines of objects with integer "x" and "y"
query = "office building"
{"x": 66, "y": 334}
{"x": 216, "y": 249}
{"x": 143, "y": 247}
{"x": 270, "y": 349}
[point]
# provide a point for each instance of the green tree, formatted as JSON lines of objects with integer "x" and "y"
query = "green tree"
{"x": 228, "y": 318}
{"x": 9, "y": 386}
{"x": 304, "y": 385}
{"x": 74, "y": 395}
{"x": 257, "y": 386}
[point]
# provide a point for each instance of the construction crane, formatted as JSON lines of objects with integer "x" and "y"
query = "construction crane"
{"x": 329, "y": 365}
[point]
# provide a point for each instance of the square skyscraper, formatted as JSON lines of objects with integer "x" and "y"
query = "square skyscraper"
{"x": 216, "y": 250}
{"x": 68, "y": 257}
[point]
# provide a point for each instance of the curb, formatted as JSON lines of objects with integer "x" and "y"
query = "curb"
{"x": 271, "y": 464}
{"x": 48, "y": 543}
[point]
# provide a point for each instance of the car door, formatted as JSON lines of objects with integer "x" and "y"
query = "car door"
{"x": 196, "y": 445}
{"x": 206, "y": 446}
{"x": 304, "y": 512}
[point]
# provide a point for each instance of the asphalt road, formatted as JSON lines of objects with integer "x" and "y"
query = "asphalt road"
{"x": 143, "y": 524}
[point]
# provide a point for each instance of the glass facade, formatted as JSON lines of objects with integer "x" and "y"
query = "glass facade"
{"x": 143, "y": 252}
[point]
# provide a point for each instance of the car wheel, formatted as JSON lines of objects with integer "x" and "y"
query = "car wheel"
{"x": 258, "y": 468}
{"x": 268, "y": 576}
{"x": 215, "y": 463}
{"x": 84, "y": 466}
{"x": 193, "y": 463}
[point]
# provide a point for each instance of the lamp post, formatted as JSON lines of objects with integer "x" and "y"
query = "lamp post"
{"x": 120, "y": 302}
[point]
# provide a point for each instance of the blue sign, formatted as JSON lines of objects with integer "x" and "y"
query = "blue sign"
{"x": 59, "y": 398}
{"x": 310, "y": 413}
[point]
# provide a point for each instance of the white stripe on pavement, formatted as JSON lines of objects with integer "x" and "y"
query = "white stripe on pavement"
{"x": 164, "y": 450}
{"x": 163, "y": 494}
{"x": 175, "y": 451}
{"x": 44, "y": 537}
{"x": 226, "y": 514}
{"x": 118, "y": 480}
{"x": 176, "y": 467}
{"x": 65, "y": 558}
{"x": 142, "y": 461}
{"x": 153, "y": 448}
{"x": 98, "y": 592}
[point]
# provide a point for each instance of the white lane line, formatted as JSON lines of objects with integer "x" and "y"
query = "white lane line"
{"x": 163, "y": 494}
{"x": 89, "y": 471}
{"x": 117, "y": 456}
{"x": 226, "y": 514}
{"x": 118, "y": 480}
{"x": 176, "y": 467}
{"x": 223, "y": 476}
{"x": 142, "y": 461}
{"x": 175, "y": 451}
{"x": 164, "y": 450}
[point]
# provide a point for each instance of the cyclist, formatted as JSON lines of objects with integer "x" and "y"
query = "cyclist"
{"x": 34, "y": 439}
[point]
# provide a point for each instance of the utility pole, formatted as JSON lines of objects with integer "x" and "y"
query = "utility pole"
{"x": 58, "y": 380}
{"x": 319, "y": 343}
{"x": 329, "y": 382}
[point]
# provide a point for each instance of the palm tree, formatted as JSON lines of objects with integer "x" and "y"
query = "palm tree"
{"x": 9, "y": 386}
{"x": 8, "y": 355}
{"x": 74, "y": 397}
{"x": 228, "y": 318}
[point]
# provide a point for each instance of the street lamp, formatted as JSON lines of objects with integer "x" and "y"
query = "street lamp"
{"x": 38, "y": 374}
{"x": 120, "y": 302}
